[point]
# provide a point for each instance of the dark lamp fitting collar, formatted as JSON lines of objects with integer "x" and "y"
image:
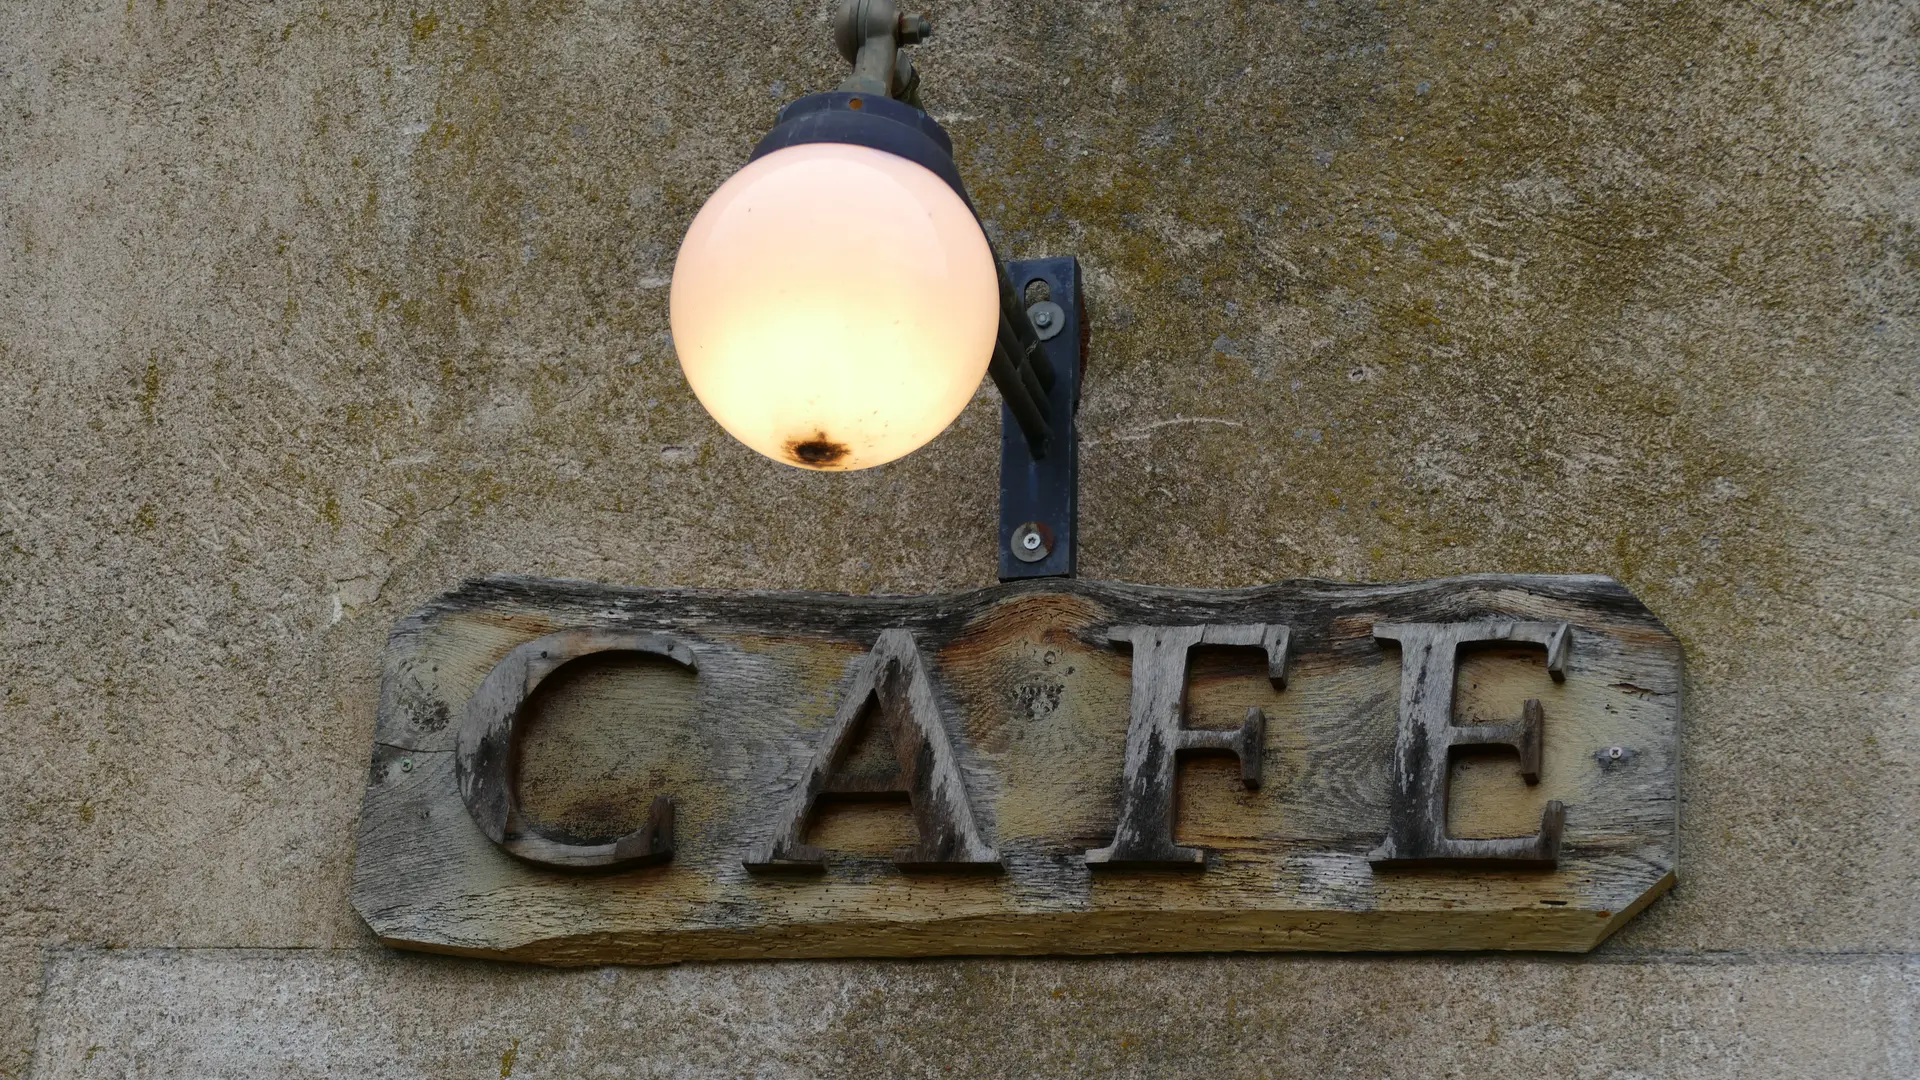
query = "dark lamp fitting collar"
{"x": 869, "y": 120}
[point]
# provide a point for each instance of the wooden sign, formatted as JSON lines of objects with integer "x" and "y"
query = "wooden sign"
{"x": 575, "y": 773}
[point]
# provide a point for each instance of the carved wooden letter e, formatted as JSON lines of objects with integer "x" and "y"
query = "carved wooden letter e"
{"x": 1423, "y": 749}
{"x": 893, "y": 678}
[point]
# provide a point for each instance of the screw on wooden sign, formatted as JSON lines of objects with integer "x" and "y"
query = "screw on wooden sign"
{"x": 1032, "y": 735}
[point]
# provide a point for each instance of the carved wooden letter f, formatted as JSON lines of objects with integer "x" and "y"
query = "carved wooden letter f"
{"x": 1157, "y": 734}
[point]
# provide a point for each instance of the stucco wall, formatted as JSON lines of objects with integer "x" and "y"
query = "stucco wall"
{"x": 309, "y": 310}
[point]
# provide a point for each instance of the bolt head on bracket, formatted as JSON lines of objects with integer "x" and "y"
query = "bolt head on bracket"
{"x": 1047, "y": 319}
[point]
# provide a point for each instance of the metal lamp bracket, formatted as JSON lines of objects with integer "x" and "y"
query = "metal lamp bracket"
{"x": 1040, "y": 492}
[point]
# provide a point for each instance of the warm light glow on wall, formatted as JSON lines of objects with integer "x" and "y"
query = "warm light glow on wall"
{"x": 834, "y": 306}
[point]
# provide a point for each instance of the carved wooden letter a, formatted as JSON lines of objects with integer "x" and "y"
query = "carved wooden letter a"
{"x": 892, "y": 679}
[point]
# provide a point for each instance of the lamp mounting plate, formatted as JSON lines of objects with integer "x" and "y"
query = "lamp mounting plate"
{"x": 1040, "y": 496}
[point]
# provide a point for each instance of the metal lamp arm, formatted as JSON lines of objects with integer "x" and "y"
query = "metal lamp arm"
{"x": 871, "y": 34}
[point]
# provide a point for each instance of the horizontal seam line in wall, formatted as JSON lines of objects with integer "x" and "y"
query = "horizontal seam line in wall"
{"x": 1703, "y": 957}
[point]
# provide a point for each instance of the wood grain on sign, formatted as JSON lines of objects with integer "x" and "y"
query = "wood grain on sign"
{"x": 954, "y": 807}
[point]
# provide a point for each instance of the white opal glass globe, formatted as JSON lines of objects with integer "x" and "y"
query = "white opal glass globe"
{"x": 834, "y": 307}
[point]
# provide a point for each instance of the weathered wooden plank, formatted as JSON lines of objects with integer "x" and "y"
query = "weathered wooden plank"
{"x": 1036, "y": 688}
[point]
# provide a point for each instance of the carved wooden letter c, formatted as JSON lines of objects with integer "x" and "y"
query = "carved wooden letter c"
{"x": 488, "y": 753}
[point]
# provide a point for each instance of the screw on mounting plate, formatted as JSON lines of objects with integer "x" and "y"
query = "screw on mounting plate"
{"x": 1031, "y": 542}
{"x": 1047, "y": 319}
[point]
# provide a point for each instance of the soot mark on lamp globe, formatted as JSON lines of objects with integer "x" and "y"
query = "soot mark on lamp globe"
{"x": 819, "y": 451}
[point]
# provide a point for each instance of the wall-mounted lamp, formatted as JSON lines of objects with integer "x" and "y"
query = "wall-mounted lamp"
{"x": 836, "y": 301}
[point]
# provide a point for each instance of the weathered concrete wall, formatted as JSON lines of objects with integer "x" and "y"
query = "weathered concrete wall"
{"x": 309, "y": 310}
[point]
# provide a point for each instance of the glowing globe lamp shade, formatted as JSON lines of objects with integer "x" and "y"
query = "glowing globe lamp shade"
{"x": 834, "y": 306}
